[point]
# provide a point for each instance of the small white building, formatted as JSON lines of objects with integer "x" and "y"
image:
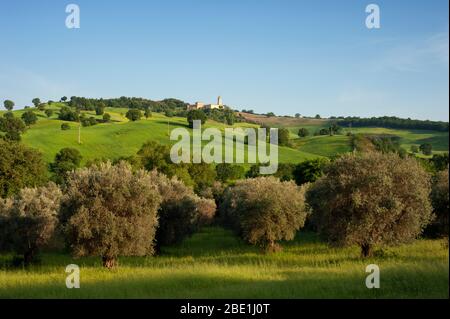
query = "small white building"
{"x": 201, "y": 105}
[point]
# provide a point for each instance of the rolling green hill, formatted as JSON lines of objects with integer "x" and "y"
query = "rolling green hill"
{"x": 124, "y": 138}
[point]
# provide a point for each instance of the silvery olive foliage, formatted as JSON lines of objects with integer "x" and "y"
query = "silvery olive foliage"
{"x": 110, "y": 211}
{"x": 28, "y": 220}
{"x": 370, "y": 199}
{"x": 264, "y": 210}
{"x": 181, "y": 211}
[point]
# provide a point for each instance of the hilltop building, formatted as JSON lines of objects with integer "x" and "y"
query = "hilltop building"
{"x": 201, "y": 105}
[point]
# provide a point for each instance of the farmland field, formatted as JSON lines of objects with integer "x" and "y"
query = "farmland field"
{"x": 215, "y": 264}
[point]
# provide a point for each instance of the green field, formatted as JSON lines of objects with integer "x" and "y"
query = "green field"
{"x": 124, "y": 138}
{"x": 120, "y": 137}
{"x": 215, "y": 264}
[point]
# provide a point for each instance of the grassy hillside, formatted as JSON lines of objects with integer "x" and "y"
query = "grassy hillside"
{"x": 120, "y": 137}
{"x": 123, "y": 138}
{"x": 215, "y": 264}
{"x": 332, "y": 145}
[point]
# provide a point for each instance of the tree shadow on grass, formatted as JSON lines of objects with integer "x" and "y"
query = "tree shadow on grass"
{"x": 293, "y": 284}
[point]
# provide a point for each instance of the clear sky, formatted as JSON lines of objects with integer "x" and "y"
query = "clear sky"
{"x": 288, "y": 57}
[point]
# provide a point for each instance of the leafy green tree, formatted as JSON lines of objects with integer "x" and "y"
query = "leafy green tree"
{"x": 12, "y": 126}
{"x": 36, "y": 101}
{"x": 309, "y": 171}
{"x": 440, "y": 201}
{"x": 64, "y": 99}
{"x": 317, "y": 116}
{"x": 29, "y": 220}
{"x": 228, "y": 172}
{"x": 264, "y": 210}
{"x": 414, "y": 149}
{"x": 297, "y": 115}
{"x": 66, "y": 160}
{"x": 106, "y": 117}
{"x": 49, "y": 112}
{"x": 109, "y": 211}
{"x": 20, "y": 167}
{"x": 100, "y": 109}
{"x": 133, "y": 115}
{"x": 283, "y": 137}
{"x": 147, "y": 113}
{"x": 303, "y": 132}
{"x": 196, "y": 115}
{"x": 202, "y": 174}
{"x": 370, "y": 199}
{"x": 153, "y": 155}
{"x": 29, "y": 117}
{"x": 8, "y": 104}
{"x": 426, "y": 149}
{"x": 440, "y": 161}
{"x": 67, "y": 114}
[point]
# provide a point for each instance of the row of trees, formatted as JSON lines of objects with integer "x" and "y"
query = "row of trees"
{"x": 395, "y": 122}
{"x": 103, "y": 210}
{"x": 367, "y": 199}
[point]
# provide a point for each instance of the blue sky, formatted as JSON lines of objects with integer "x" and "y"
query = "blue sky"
{"x": 283, "y": 56}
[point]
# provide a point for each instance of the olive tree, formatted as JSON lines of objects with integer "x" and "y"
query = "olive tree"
{"x": 181, "y": 212}
{"x": 369, "y": 199}
{"x": 28, "y": 220}
{"x": 264, "y": 210}
{"x": 110, "y": 211}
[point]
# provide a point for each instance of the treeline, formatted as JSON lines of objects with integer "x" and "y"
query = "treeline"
{"x": 394, "y": 122}
{"x": 90, "y": 104}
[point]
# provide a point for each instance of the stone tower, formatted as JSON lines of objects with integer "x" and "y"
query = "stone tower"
{"x": 219, "y": 101}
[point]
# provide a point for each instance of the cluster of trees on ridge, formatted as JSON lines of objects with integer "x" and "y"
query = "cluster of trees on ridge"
{"x": 395, "y": 122}
{"x": 134, "y": 205}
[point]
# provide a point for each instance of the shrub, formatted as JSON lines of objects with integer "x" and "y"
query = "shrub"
{"x": 133, "y": 115}
{"x": 426, "y": 149}
{"x": 20, "y": 167}
{"x": 106, "y": 117}
{"x": 181, "y": 211}
{"x": 371, "y": 199}
{"x": 303, "y": 132}
{"x": 65, "y": 126}
{"x": 28, "y": 221}
{"x": 29, "y": 117}
{"x": 264, "y": 210}
{"x": 110, "y": 211}
{"x": 49, "y": 112}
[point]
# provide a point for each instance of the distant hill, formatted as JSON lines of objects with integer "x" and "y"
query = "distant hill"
{"x": 124, "y": 138}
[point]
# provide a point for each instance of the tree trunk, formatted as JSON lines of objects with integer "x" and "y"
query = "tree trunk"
{"x": 28, "y": 257}
{"x": 366, "y": 250}
{"x": 108, "y": 262}
{"x": 273, "y": 247}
